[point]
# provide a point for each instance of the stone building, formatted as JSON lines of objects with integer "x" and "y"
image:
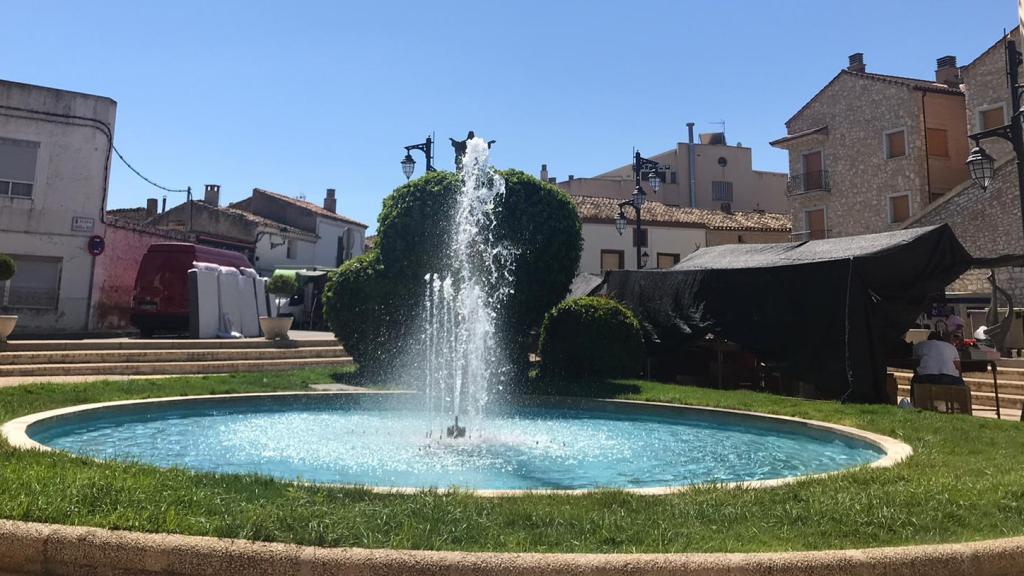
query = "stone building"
{"x": 263, "y": 241}
{"x": 338, "y": 238}
{"x": 55, "y": 152}
{"x": 870, "y": 151}
{"x": 722, "y": 176}
{"x": 987, "y": 222}
{"x": 670, "y": 233}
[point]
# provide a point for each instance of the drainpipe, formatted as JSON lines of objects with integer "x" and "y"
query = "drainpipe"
{"x": 927, "y": 158}
{"x": 691, "y": 167}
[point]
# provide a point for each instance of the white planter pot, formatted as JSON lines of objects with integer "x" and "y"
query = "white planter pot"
{"x": 7, "y": 326}
{"x": 275, "y": 328}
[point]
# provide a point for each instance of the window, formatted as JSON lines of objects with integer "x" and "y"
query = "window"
{"x": 991, "y": 117}
{"x": 672, "y": 177}
{"x": 667, "y": 260}
{"x": 938, "y": 142}
{"x": 896, "y": 144}
{"x": 721, "y": 191}
{"x": 293, "y": 249}
{"x": 814, "y": 224}
{"x": 17, "y": 167}
{"x": 899, "y": 208}
{"x": 36, "y": 285}
{"x": 643, "y": 237}
{"x": 813, "y": 171}
{"x": 613, "y": 260}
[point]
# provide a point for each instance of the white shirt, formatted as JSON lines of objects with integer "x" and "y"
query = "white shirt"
{"x": 937, "y": 357}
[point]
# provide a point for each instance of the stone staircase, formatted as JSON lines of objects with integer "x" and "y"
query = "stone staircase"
{"x": 37, "y": 360}
{"x": 1010, "y": 374}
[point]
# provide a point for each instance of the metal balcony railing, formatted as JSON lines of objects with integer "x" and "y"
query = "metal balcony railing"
{"x": 807, "y": 182}
{"x": 812, "y": 235}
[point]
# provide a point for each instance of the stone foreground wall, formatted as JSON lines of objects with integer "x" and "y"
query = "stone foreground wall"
{"x": 31, "y": 549}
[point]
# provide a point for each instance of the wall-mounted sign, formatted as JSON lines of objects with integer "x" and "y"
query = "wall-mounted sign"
{"x": 82, "y": 224}
{"x": 96, "y": 245}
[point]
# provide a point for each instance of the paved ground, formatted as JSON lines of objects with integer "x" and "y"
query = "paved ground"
{"x": 293, "y": 334}
{"x": 8, "y": 381}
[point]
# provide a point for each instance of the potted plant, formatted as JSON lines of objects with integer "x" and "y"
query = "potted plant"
{"x": 281, "y": 288}
{"x": 7, "y": 270}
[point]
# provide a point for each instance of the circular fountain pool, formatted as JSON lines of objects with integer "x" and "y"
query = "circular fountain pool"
{"x": 381, "y": 440}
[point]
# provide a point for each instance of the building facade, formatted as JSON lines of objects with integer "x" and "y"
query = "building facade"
{"x": 670, "y": 233}
{"x": 55, "y": 152}
{"x": 870, "y": 151}
{"x": 266, "y": 243}
{"x": 722, "y": 176}
{"x": 987, "y": 221}
{"x": 338, "y": 238}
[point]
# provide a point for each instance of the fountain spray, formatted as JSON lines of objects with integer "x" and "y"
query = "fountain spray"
{"x": 461, "y": 300}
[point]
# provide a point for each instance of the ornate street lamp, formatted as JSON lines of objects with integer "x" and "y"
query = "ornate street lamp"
{"x": 981, "y": 166}
{"x": 620, "y": 222}
{"x": 637, "y": 202}
{"x": 409, "y": 164}
{"x": 654, "y": 180}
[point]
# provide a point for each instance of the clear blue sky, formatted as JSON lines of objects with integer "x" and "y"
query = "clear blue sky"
{"x": 297, "y": 96}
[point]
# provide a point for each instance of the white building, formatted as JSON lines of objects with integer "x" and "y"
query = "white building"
{"x": 707, "y": 174}
{"x": 55, "y": 149}
{"x": 337, "y": 238}
{"x": 670, "y": 233}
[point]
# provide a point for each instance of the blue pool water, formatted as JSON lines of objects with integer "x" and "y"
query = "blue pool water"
{"x": 342, "y": 439}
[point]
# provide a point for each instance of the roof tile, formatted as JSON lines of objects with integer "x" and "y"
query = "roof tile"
{"x": 606, "y": 209}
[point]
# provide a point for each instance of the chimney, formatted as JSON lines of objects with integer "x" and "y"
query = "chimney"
{"x": 947, "y": 72}
{"x": 163, "y": 206}
{"x": 212, "y": 194}
{"x": 543, "y": 172}
{"x": 151, "y": 207}
{"x": 571, "y": 177}
{"x": 857, "y": 63}
{"x": 552, "y": 180}
{"x": 330, "y": 202}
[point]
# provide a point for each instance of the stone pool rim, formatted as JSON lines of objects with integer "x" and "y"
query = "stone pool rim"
{"x": 893, "y": 451}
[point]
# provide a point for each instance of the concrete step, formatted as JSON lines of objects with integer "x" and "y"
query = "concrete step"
{"x": 8, "y": 359}
{"x": 165, "y": 368}
{"x": 981, "y": 384}
{"x": 986, "y": 399}
{"x": 163, "y": 344}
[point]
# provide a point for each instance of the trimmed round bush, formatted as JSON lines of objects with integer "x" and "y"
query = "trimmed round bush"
{"x": 7, "y": 268}
{"x": 591, "y": 337}
{"x": 282, "y": 286}
{"x": 373, "y": 302}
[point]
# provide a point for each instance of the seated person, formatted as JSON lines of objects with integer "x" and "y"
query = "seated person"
{"x": 939, "y": 362}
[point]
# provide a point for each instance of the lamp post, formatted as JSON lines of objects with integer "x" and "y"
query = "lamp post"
{"x": 409, "y": 164}
{"x": 639, "y": 198}
{"x": 980, "y": 164}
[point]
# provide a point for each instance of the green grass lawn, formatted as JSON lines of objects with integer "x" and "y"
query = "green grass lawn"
{"x": 964, "y": 482}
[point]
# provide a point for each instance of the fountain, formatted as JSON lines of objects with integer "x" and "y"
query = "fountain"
{"x": 459, "y": 332}
{"x": 376, "y": 438}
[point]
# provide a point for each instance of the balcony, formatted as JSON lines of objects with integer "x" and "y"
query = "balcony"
{"x": 808, "y": 182}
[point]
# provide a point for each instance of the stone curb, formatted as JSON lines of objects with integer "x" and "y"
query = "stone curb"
{"x": 30, "y": 549}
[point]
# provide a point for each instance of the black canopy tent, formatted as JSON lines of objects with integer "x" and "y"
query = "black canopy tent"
{"x": 826, "y": 310}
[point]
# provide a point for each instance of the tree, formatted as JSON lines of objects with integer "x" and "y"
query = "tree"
{"x": 373, "y": 302}
{"x": 7, "y": 268}
{"x": 281, "y": 287}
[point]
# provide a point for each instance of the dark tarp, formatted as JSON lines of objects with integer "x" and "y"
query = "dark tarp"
{"x": 825, "y": 310}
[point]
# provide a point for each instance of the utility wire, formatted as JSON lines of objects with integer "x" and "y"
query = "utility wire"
{"x": 139, "y": 174}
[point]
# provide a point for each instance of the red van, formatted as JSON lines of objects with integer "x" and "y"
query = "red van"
{"x": 160, "y": 300}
